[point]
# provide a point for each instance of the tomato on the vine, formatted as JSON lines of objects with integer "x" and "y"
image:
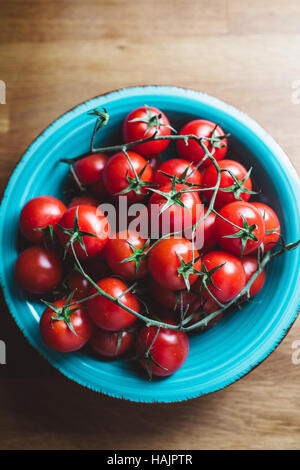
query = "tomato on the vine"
{"x": 248, "y": 231}
{"x": 193, "y": 150}
{"x": 89, "y": 172}
{"x": 172, "y": 262}
{"x": 173, "y": 208}
{"x": 86, "y": 228}
{"x": 272, "y": 225}
{"x": 250, "y": 266}
{"x": 142, "y": 123}
{"x": 240, "y": 189}
{"x": 39, "y": 218}
{"x": 65, "y": 329}
{"x": 105, "y": 313}
{"x": 162, "y": 351}
{"x": 112, "y": 343}
{"x": 125, "y": 254}
{"x": 130, "y": 178}
{"x": 224, "y": 276}
{"x": 38, "y": 269}
{"x": 185, "y": 171}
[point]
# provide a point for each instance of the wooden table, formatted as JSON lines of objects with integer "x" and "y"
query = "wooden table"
{"x": 55, "y": 54}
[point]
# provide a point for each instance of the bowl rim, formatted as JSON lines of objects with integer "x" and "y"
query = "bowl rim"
{"x": 192, "y": 93}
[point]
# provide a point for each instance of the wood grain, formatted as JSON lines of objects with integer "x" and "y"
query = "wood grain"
{"x": 55, "y": 54}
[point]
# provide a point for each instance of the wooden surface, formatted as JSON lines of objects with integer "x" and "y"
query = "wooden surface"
{"x": 55, "y": 54}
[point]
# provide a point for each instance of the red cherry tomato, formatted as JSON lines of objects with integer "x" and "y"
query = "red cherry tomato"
{"x": 272, "y": 224}
{"x": 155, "y": 162}
{"x": 122, "y": 246}
{"x": 112, "y": 343}
{"x": 165, "y": 265}
{"x": 40, "y": 212}
{"x": 250, "y": 266}
{"x": 90, "y": 220}
{"x": 227, "y": 181}
{"x": 78, "y": 283}
{"x": 140, "y": 124}
{"x": 193, "y": 151}
{"x": 178, "y": 167}
{"x": 169, "y": 350}
{"x": 38, "y": 270}
{"x": 228, "y": 280}
{"x": 182, "y": 212}
{"x": 119, "y": 177}
{"x": 89, "y": 171}
{"x": 205, "y": 233}
{"x": 244, "y": 215}
{"x": 172, "y": 299}
{"x": 83, "y": 200}
{"x": 105, "y": 313}
{"x": 58, "y": 335}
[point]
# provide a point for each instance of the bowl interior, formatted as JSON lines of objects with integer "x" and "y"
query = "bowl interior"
{"x": 219, "y": 356}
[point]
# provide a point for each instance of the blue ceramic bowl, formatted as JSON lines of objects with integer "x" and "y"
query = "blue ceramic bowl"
{"x": 219, "y": 356}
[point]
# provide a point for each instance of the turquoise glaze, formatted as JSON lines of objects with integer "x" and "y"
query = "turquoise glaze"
{"x": 219, "y": 356}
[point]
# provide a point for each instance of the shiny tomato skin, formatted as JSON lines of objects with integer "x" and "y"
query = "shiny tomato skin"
{"x": 229, "y": 280}
{"x": 193, "y": 151}
{"x": 83, "y": 200}
{"x": 163, "y": 262}
{"x": 105, "y": 342}
{"x": 177, "y": 166}
{"x": 211, "y": 177}
{"x": 89, "y": 171}
{"x": 90, "y": 220}
{"x": 107, "y": 315}
{"x": 250, "y": 266}
{"x": 119, "y": 248}
{"x": 155, "y": 162}
{"x": 233, "y": 212}
{"x": 38, "y": 269}
{"x": 170, "y": 349}
{"x": 178, "y": 217}
{"x": 205, "y": 233}
{"x": 56, "y": 333}
{"x": 116, "y": 171}
{"x": 79, "y": 284}
{"x": 38, "y": 213}
{"x": 271, "y": 223}
{"x": 137, "y": 130}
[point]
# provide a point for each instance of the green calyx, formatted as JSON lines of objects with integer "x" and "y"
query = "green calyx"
{"x": 216, "y": 141}
{"x": 182, "y": 179}
{"x": 75, "y": 235}
{"x": 152, "y": 120}
{"x": 172, "y": 197}
{"x": 238, "y": 186}
{"x": 63, "y": 313}
{"x": 245, "y": 234}
{"x": 138, "y": 254}
{"x": 187, "y": 268}
{"x": 48, "y": 234}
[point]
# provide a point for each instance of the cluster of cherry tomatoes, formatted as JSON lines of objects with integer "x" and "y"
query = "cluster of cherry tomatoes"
{"x": 164, "y": 279}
